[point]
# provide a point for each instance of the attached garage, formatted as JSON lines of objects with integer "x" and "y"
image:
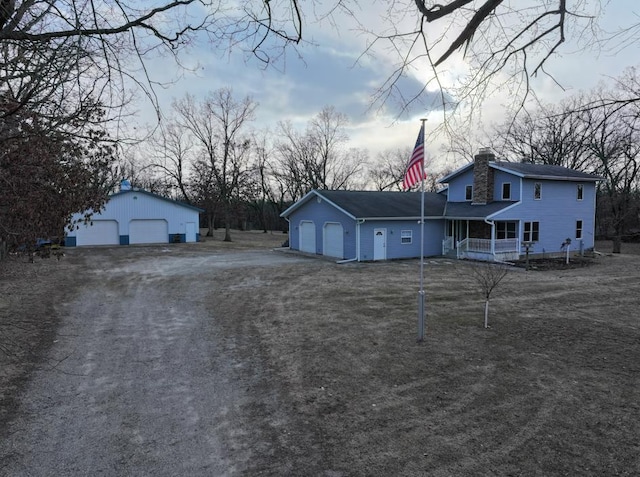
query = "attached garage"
{"x": 333, "y": 240}
{"x": 307, "y": 237}
{"x": 135, "y": 216}
{"x": 98, "y": 232}
{"x": 148, "y": 231}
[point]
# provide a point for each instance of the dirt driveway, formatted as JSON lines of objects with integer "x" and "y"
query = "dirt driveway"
{"x": 141, "y": 379}
{"x": 200, "y": 361}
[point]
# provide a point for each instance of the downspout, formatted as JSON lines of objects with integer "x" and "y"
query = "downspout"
{"x": 493, "y": 237}
{"x": 357, "y": 257}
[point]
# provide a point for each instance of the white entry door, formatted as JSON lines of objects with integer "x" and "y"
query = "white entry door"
{"x": 190, "y": 235}
{"x": 379, "y": 244}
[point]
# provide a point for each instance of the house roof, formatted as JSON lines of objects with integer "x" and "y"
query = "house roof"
{"x": 528, "y": 170}
{"x": 543, "y": 171}
{"x": 156, "y": 196}
{"x": 377, "y": 205}
{"x": 469, "y": 211}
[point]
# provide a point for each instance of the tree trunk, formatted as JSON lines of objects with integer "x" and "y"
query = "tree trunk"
{"x": 617, "y": 243}
{"x": 486, "y": 314}
{"x": 210, "y": 221}
{"x": 227, "y": 226}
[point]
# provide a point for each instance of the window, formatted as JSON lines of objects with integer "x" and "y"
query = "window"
{"x": 531, "y": 232}
{"x": 468, "y": 192}
{"x": 580, "y": 192}
{"x": 537, "y": 191}
{"x": 506, "y": 191}
{"x": 406, "y": 236}
{"x": 505, "y": 230}
{"x": 578, "y": 229}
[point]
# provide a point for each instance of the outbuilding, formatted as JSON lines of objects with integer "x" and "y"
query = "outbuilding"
{"x": 135, "y": 216}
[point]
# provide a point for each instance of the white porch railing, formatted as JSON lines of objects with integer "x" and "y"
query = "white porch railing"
{"x": 447, "y": 245}
{"x": 481, "y": 249}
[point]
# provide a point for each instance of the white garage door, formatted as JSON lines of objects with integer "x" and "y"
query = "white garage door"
{"x": 332, "y": 241}
{"x": 148, "y": 231}
{"x": 307, "y": 237}
{"x": 101, "y": 232}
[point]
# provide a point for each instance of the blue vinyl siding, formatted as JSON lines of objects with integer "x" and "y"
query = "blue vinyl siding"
{"x": 457, "y": 187}
{"x": 321, "y": 213}
{"x": 557, "y": 211}
{"x": 501, "y": 178}
{"x": 433, "y": 230}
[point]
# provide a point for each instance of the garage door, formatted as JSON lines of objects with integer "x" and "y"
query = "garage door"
{"x": 332, "y": 241}
{"x": 307, "y": 237}
{"x": 148, "y": 231}
{"x": 100, "y": 232}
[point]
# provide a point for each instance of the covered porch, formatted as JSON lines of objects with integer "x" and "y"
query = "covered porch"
{"x": 481, "y": 240}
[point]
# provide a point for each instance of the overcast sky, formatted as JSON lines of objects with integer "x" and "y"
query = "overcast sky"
{"x": 328, "y": 74}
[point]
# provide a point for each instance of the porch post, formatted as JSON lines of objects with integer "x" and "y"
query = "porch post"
{"x": 493, "y": 239}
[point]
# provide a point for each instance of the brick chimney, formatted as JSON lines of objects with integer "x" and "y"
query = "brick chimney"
{"x": 483, "y": 180}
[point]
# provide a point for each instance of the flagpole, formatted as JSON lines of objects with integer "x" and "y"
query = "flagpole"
{"x": 421, "y": 295}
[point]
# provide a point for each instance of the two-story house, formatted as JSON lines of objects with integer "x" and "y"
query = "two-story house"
{"x": 489, "y": 210}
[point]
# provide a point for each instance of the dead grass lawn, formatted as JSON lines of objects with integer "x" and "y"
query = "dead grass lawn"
{"x": 551, "y": 388}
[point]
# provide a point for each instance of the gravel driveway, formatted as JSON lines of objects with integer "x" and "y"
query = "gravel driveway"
{"x": 143, "y": 382}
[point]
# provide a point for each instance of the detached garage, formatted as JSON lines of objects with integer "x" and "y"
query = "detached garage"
{"x": 135, "y": 216}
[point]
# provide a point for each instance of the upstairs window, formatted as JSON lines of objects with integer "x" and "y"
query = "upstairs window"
{"x": 537, "y": 191}
{"x": 506, "y": 191}
{"x": 580, "y": 191}
{"x": 406, "y": 236}
{"x": 578, "y": 229}
{"x": 468, "y": 192}
{"x": 531, "y": 232}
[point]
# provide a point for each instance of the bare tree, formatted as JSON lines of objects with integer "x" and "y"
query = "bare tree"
{"x": 389, "y": 169}
{"x": 56, "y": 51}
{"x": 615, "y": 144}
{"x": 487, "y": 276}
{"x": 173, "y": 154}
{"x": 318, "y": 158}
{"x": 216, "y": 125}
{"x": 553, "y": 134}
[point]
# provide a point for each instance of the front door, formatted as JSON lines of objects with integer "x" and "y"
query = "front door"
{"x": 379, "y": 244}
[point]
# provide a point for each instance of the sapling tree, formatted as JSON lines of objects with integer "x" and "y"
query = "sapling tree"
{"x": 488, "y": 275}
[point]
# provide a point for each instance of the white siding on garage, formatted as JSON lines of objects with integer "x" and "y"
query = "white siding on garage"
{"x": 99, "y": 232}
{"x": 148, "y": 231}
{"x": 307, "y": 236}
{"x": 332, "y": 240}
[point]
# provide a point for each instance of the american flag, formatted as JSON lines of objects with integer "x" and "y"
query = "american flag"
{"x": 415, "y": 169}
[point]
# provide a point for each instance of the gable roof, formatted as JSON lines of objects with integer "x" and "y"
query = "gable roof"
{"x": 155, "y": 196}
{"x": 377, "y": 205}
{"x": 528, "y": 170}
